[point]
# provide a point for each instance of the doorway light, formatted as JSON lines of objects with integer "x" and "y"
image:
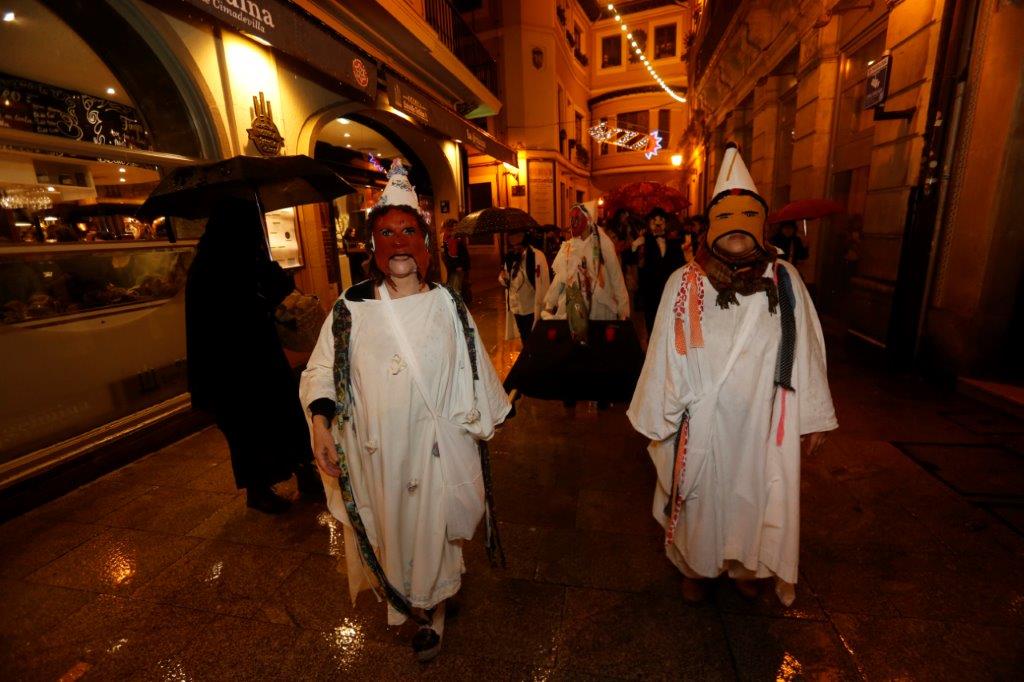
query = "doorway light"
{"x": 111, "y": 91}
{"x": 344, "y": 121}
{"x": 9, "y": 16}
{"x": 348, "y": 134}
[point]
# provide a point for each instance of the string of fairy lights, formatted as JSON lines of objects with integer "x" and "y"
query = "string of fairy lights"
{"x": 643, "y": 58}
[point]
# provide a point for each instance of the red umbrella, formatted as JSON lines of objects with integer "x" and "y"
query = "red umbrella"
{"x": 639, "y": 198}
{"x": 806, "y": 209}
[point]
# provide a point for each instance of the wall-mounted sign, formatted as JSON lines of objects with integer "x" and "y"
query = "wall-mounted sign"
{"x": 264, "y": 134}
{"x": 876, "y": 82}
{"x": 540, "y": 176}
{"x": 283, "y": 238}
{"x": 293, "y": 32}
{"x": 519, "y": 190}
{"x": 49, "y": 110}
{"x": 412, "y": 101}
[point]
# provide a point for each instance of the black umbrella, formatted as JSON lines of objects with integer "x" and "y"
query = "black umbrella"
{"x": 275, "y": 182}
{"x": 490, "y": 220}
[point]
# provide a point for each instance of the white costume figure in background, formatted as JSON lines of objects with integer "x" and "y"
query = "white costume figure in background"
{"x": 412, "y": 396}
{"x": 526, "y": 276}
{"x": 726, "y": 400}
{"x": 587, "y": 260}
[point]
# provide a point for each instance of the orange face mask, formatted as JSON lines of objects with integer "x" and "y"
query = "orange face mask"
{"x": 737, "y": 213}
{"x": 398, "y": 235}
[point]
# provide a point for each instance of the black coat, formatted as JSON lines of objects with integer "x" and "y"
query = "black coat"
{"x": 237, "y": 369}
{"x": 655, "y": 269}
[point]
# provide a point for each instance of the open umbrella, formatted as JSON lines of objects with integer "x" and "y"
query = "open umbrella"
{"x": 275, "y": 182}
{"x": 640, "y": 198}
{"x": 491, "y": 220}
{"x": 806, "y": 209}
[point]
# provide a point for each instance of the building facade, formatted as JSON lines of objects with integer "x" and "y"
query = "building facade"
{"x": 889, "y": 108}
{"x": 564, "y": 68}
{"x": 127, "y": 90}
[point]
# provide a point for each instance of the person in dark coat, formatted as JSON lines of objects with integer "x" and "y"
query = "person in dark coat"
{"x": 793, "y": 249}
{"x": 237, "y": 369}
{"x": 661, "y": 254}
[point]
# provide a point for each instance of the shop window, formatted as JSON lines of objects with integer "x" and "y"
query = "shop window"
{"x": 665, "y": 41}
{"x": 640, "y": 36}
{"x": 604, "y": 149}
{"x": 579, "y": 128}
{"x": 611, "y": 51}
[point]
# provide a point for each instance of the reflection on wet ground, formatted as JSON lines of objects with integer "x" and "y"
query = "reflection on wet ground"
{"x": 159, "y": 571}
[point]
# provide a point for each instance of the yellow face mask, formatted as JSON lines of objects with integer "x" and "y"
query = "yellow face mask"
{"x": 737, "y": 213}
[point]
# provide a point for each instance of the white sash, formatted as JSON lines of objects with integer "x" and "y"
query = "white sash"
{"x": 456, "y": 448}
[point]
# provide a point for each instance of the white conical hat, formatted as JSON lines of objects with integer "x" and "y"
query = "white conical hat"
{"x": 399, "y": 191}
{"x": 733, "y": 173}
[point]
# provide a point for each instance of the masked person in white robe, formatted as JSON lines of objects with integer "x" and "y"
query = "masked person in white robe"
{"x": 587, "y": 282}
{"x": 734, "y": 387}
{"x": 401, "y": 394}
{"x": 526, "y": 278}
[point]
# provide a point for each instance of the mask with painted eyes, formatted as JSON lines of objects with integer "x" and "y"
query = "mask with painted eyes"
{"x": 737, "y": 223}
{"x": 398, "y": 242}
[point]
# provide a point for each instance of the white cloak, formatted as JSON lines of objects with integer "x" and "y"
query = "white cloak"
{"x": 396, "y": 482}
{"x": 741, "y": 491}
{"x": 610, "y": 301}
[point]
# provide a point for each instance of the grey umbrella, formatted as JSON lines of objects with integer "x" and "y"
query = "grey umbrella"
{"x": 490, "y": 220}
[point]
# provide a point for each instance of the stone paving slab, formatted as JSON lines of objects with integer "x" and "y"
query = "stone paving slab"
{"x": 159, "y": 571}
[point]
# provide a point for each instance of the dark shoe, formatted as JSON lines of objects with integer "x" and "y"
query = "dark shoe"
{"x": 311, "y": 488}
{"x": 693, "y": 590}
{"x": 426, "y": 643}
{"x": 749, "y": 589}
{"x": 266, "y": 500}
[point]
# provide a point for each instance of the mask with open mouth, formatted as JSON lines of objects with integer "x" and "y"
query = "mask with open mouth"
{"x": 397, "y": 235}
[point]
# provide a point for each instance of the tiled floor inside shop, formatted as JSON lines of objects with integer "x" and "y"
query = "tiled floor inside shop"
{"x": 912, "y": 563}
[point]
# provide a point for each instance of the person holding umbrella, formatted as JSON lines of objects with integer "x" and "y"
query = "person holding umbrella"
{"x": 237, "y": 369}
{"x": 401, "y": 395}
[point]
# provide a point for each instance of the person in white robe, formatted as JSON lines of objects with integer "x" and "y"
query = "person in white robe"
{"x": 526, "y": 277}
{"x": 588, "y": 264}
{"x": 401, "y": 469}
{"x": 733, "y": 389}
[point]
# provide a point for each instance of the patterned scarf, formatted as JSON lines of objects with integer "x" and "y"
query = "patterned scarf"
{"x": 744, "y": 277}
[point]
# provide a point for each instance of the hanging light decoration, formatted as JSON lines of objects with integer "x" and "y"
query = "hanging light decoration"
{"x": 633, "y": 140}
{"x": 643, "y": 58}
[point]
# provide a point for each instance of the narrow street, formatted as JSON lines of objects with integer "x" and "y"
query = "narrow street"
{"x": 912, "y": 562}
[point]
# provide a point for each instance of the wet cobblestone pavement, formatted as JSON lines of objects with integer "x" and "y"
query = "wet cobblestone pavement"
{"x": 911, "y": 565}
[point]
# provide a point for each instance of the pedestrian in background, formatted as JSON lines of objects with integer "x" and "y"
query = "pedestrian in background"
{"x": 455, "y": 255}
{"x": 525, "y": 276}
{"x": 237, "y": 369}
{"x": 792, "y": 247}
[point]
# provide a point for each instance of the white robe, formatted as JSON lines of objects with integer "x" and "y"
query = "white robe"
{"x": 741, "y": 512}
{"x": 396, "y": 482}
{"x": 609, "y": 302}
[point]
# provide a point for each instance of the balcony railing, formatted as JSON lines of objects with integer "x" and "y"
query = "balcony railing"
{"x": 458, "y": 37}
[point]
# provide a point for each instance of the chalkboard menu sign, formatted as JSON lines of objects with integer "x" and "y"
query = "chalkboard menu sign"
{"x": 48, "y": 110}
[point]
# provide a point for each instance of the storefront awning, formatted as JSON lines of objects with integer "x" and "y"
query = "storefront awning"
{"x": 424, "y": 109}
{"x": 291, "y": 31}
